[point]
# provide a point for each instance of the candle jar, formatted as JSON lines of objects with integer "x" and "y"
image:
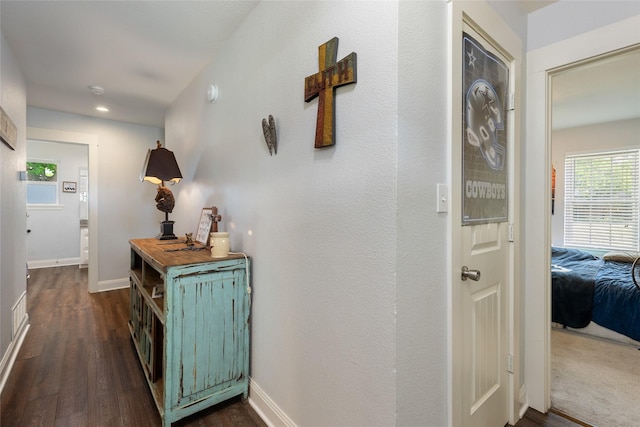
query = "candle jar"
{"x": 219, "y": 244}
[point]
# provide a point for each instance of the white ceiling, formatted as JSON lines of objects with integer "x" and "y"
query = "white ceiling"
{"x": 533, "y": 5}
{"x": 143, "y": 53}
{"x": 601, "y": 90}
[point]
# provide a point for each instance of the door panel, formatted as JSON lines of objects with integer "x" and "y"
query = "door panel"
{"x": 485, "y": 344}
{"x": 482, "y": 355}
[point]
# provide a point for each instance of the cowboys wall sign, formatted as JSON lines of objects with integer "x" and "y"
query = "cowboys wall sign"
{"x": 484, "y": 152}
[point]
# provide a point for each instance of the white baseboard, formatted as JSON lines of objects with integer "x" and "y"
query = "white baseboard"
{"x": 266, "y": 408}
{"x": 524, "y": 400}
{"x": 46, "y": 263}
{"x": 104, "y": 285}
{"x": 9, "y": 358}
{"x": 112, "y": 285}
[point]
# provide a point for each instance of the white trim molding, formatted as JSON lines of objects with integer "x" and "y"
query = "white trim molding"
{"x": 112, "y": 285}
{"x": 46, "y": 263}
{"x": 9, "y": 358}
{"x": 266, "y": 408}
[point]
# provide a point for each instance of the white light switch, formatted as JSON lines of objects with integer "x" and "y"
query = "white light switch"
{"x": 442, "y": 194}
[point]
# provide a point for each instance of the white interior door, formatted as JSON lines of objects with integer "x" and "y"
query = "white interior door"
{"x": 83, "y": 192}
{"x": 482, "y": 210}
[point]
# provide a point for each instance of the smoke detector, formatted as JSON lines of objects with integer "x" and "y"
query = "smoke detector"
{"x": 96, "y": 90}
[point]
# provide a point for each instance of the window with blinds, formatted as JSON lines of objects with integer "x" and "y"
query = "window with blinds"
{"x": 601, "y": 200}
{"x": 42, "y": 182}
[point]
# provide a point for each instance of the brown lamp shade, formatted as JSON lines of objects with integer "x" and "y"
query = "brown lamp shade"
{"x": 160, "y": 165}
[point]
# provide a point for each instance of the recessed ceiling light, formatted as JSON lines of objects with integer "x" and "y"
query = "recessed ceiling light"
{"x": 102, "y": 108}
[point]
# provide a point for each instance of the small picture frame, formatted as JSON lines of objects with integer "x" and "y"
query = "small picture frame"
{"x": 204, "y": 227}
{"x": 8, "y": 130}
{"x": 158, "y": 292}
{"x": 69, "y": 186}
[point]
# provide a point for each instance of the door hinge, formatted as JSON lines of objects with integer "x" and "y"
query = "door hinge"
{"x": 510, "y": 363}
{"x": 510, "y": 232}
{"x": 511, "y": 102}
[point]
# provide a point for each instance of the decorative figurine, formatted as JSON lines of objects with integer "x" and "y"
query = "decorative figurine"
{"x": 270, "y": 137}
{"x": 215, "y": 219}
{"x": 165, "y": 200}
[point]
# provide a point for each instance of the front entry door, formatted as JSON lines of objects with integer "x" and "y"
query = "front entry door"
{"x": 482, "y": 203}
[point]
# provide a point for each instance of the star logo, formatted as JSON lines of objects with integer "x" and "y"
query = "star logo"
{"x": 488, "y": 100}
{"x": 472, "y": 59}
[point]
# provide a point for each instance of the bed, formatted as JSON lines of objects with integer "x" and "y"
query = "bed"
{"x": 587, "y": 288}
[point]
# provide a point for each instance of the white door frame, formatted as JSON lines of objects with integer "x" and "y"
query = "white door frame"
{"x": 91, "y": 141}
{"x": 482, "y": 16}
{"x": 541, "y": 63}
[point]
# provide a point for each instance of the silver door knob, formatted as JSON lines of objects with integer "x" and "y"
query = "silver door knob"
{"x": 470, "y": 274}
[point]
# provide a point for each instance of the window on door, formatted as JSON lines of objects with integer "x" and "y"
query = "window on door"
{"x": 601, "y": 200}
{"x": 42, "y": 183}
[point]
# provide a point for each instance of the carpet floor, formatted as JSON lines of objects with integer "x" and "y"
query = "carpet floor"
{"x": 595, "y": 380}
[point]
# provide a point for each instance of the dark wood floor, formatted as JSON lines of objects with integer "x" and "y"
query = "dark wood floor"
{"x": 534, "y": 418}
{"x": 78, "y": 367}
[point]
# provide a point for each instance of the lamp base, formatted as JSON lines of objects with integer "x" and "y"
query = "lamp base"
{"x": 166, "y": 231}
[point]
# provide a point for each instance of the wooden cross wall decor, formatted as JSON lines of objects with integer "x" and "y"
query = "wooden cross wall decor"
{"x": 323, "y": 84}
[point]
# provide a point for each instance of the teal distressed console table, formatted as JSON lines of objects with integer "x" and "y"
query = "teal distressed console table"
{"x": 193, "y": 341}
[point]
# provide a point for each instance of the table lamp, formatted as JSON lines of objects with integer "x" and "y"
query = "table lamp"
{"x": 159, "y": 166}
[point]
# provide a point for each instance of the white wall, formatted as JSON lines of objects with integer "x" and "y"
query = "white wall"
{"x": 55, "y": 232}
{"x": 585, "y": 139}
{"x": 13, "y": 227}
{"x": 126, "y": 206}
{"x": 319, "y": 224}
{"x": 349, "y": 323}
{"x": 422, "y": 358}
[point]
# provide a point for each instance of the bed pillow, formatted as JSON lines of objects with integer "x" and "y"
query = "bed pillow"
{"x": 621, "y": 256}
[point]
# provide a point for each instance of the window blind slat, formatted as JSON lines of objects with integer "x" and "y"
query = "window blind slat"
{"x": 602, "y": 200}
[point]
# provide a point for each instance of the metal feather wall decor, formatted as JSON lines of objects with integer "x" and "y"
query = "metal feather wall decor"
{"x": 269, "y": 130}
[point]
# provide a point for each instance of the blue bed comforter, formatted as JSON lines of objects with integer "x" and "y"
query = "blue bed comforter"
{"x": 573, "y": 275}
{"x": 585, "y": 288}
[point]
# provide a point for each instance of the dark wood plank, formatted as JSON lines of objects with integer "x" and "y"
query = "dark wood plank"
{"x": 13, "y": 404}
{"x": 73, "y": 398}
{"x": 40, "y": 412}
{"x": 48, "y": 375}
{"x": 137, "y": 408}
{"x": 103, "y": 398}
{"x": 533, "y": 418}
{"x": 78, "y": 419}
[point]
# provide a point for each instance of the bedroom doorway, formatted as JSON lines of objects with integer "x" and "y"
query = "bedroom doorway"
{"x": 543, "y": 63}
{"x": 595, "y": 116}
